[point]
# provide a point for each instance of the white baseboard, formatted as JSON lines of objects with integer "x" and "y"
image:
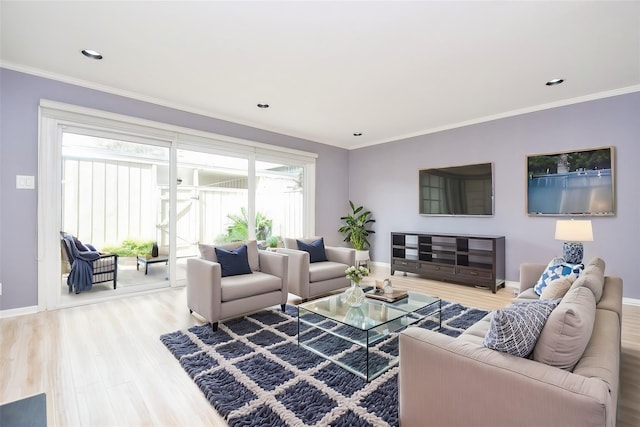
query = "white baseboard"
{"x": 4, "y": 314}
{"x": 631, "y": 301}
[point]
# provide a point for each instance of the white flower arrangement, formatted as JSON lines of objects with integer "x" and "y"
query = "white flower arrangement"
{"x": 356, "y": 274}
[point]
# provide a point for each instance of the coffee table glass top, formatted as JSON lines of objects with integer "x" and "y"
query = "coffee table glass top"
{"x": 371, "y": 314}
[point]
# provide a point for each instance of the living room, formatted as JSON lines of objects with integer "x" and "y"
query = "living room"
{"x": 383, "y": 177}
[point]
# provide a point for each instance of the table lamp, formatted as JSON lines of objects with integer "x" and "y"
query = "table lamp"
{"x": 573, "y": 232}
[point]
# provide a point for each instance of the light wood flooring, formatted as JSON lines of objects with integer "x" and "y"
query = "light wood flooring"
{"x": 104, "y": 365}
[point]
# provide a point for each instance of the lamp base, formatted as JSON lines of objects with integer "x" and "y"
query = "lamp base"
{"x": 572, "y": 252}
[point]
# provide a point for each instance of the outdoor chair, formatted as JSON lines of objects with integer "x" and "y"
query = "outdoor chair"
{"x": 88, "y": 266}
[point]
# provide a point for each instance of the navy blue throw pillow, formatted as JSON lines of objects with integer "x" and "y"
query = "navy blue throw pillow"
{"x": 315, "y": 249}
{"x": 233, "y": 262}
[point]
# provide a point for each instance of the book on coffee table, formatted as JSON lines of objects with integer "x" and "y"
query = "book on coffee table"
{"x": 379, "y": 294}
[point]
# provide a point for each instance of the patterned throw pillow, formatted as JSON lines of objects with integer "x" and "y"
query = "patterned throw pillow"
{"x": 516, "y": 328}
{"x": 557, "y": 268}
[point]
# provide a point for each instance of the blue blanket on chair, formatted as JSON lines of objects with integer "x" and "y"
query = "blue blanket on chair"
{"x": 81, "y": 275}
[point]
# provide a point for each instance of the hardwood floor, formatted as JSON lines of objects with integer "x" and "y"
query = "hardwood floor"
{"x": 104, "y": 365}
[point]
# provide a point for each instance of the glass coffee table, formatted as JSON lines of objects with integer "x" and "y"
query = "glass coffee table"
{"x": 363, "y": 340}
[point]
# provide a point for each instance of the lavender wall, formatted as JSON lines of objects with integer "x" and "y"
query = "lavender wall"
{"x": 21, "y": 94}
{"x": 385, "y": 179}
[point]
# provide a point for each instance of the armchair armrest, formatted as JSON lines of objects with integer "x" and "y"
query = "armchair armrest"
{"x": 529, "y": 274}
{"x": 298, "y": 268}
{"x": 480, "y": 377}
{"x": 341, "y": 255}
{"x": 277, "y": 265}
{"x": 204, "y": 291}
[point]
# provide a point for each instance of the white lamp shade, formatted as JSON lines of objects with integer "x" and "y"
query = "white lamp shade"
{"x": 572, "y": 230}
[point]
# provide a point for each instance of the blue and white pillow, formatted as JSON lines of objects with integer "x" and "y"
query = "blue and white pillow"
{"x": 556, "y": 269}
{"x": 515, "y": 329}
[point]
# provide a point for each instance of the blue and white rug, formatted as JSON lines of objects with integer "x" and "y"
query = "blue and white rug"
{"x": 254, "y": 374}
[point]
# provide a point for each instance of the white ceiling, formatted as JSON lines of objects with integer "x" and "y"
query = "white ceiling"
{"x": 387, "y": 69}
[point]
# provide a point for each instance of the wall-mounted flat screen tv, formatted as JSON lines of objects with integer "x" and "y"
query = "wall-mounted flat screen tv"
{"x": 571, "y": 183}
{"x": 457, "y": 190}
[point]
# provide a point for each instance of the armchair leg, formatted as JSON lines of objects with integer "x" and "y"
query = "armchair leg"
{"x": 283, "y": 307}
{"x": 214, "y": 326}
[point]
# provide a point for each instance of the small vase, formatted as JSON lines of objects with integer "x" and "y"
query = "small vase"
{"x": 354, "y": 296}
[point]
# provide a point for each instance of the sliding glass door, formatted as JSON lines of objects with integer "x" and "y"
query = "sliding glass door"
{"x": 150, "y": 193}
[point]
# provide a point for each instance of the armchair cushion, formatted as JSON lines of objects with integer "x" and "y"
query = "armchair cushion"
{"x": 244, "y": 286}
{"x": 208, "y": 252}
{"x": 325, "y": 271}
{"x": 233, "y": 262}
{"x": 315, "y": 249}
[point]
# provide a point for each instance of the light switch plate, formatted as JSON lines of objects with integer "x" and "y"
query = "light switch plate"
{"x": 27, "y": 182}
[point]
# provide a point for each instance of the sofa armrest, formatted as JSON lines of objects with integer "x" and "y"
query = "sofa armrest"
{"x": 342, "y": 255}
{"x": 298, "y": 266}
{"x": 457, "y": 382}
{"x": 529, "y": 274}
{"x": 204, "y": 291}
{"x": 275, "y": 264}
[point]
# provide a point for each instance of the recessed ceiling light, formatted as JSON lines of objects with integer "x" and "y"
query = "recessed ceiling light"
{"x": 263, "y": 105}
{"x": 554, "y": 82}
{"x": 357, "y": 134}
{"x": 91, "y": 54}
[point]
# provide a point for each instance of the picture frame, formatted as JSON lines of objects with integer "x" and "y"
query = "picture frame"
{"x": 571, "y": 183}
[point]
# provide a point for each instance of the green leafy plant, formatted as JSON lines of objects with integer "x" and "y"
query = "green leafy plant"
{"x": 273, "y": 241}
{"x": 355, "y": 227}
{"x": 130, "y": 248}
{"x": 239, "y": 228}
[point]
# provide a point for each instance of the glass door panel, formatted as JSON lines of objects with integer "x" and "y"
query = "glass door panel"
{"x": 212, "y": 200}
{"x": 112, "y": 199}
{"x": 279, "y": 202}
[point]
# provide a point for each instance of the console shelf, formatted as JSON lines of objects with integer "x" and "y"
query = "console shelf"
{"x": 473, "y": 260}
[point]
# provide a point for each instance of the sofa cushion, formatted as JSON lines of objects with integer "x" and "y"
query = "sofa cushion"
{"x": 315, "y": 249}
{"x": 516, "y": 328}
{"x": 556, "y": 268}
{"x": 233, "y": 262}
{"x": 527, "y": 295}
{"x": 567, "y": 331}
{"x": 208, "y": 252}
{"x": 558, "y": 287}
{"x": 592, "y": 278}
{"x": 476, "y": 332}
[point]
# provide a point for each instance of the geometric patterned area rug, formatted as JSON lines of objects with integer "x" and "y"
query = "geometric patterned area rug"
{"x": 254, "y": 374}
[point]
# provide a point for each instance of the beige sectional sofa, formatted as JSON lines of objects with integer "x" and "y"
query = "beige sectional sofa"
{"x": 446, "y": 381}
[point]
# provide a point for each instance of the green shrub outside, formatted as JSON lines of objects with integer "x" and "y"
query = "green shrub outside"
{"x": 130, "y": 248}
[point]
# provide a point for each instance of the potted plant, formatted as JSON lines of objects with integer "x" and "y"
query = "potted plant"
{"x": 355, "y": 230}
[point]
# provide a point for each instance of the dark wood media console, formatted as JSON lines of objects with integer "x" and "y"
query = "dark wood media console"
{"x": 466, "y": 259}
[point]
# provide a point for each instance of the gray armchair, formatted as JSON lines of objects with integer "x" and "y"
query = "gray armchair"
{"x": 310, "y": 279}
{"x": 215, "y": 297}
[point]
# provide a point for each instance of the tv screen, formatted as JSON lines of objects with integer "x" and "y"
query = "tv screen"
{"x": 571, "y": 183}
{"x": 457, "y": 190}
